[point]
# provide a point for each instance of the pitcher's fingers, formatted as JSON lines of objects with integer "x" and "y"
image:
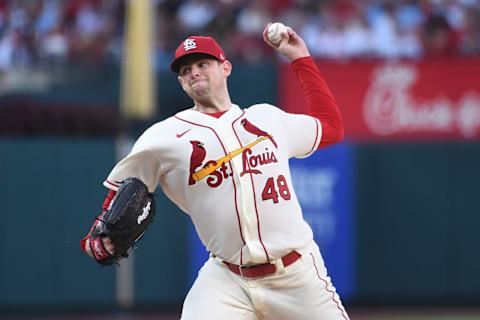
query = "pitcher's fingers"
{"x": 88, "y": 250}
{"x": 286, "y": 37}
{"x": 292, "y": 33}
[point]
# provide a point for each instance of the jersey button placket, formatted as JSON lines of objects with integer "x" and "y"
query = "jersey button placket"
{"x": 231, "y": 143}
{"x": 246, "y": 197}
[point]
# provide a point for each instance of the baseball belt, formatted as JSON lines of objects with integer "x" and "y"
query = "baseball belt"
{"x": 264, "y": 269}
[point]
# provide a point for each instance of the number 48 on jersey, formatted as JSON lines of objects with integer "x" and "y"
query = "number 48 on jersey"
{"x": 274, "y": 187}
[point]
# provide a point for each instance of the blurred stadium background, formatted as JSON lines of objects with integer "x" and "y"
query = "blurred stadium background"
{"x": 395, "y": 207}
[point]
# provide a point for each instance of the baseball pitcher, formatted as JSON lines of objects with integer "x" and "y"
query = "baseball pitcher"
{"x": 227, "y": 168}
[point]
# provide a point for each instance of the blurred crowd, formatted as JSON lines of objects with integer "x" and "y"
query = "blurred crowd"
{"x": 91, "y": 31}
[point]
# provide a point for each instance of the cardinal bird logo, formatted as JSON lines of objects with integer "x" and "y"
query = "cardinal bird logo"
{"x": 256, "y": 131}
{"x": 196, "y": 159}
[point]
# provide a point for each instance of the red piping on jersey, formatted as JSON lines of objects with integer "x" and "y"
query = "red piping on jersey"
{"x": 113, "y": 184}
{"x": 241, "y": 251}
{"x": 238, "y": 216}
{"x": 320, "y": 101}
{"x": 253, "y": 187}
{"x": 326, "y": 288}
{"x": 231, "y": 166}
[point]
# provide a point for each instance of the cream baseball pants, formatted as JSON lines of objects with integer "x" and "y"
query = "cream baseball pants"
{"x": 300, "y": 291}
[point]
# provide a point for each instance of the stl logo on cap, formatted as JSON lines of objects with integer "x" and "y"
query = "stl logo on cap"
{"x": 189, "y": 44}
{"x": 196, "y": 44}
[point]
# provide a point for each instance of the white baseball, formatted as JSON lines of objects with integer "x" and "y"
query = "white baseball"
{"x": 274, "y": 32}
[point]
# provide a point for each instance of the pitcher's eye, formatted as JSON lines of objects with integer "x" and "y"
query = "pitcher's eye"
{"x": 185, "y": 71}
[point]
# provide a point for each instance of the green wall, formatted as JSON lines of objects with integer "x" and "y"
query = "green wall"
{"x": 418, "y": 217}
{"x": 249, "y": 84}
{"x": 50, "y": 193}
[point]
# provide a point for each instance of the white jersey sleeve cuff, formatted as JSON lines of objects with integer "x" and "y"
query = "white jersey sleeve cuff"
{"x": 110, "y": 185}
{"x": 318, "y": 138}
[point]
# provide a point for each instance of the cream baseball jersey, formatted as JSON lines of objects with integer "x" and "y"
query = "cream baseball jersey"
{"x": 231, "y": 175}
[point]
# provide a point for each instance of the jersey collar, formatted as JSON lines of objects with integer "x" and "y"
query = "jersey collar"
{"x": 204, "y": 119}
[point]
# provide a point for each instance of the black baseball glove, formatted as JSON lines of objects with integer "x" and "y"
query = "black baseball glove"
{"x": 126, "y": 220}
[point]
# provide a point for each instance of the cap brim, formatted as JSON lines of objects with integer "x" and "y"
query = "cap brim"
{"x": 176, "y": 64}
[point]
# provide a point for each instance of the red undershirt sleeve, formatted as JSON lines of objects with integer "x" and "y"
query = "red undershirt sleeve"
{"x": 320, "y": 101}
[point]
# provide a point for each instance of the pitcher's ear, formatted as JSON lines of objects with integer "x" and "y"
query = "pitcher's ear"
{"x": 227, "y": 67}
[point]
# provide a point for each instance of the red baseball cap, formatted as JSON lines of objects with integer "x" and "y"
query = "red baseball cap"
{"x": 197, "y": 44}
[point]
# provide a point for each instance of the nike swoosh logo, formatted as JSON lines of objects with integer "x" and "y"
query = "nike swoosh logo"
{"x": 179, "y": 135}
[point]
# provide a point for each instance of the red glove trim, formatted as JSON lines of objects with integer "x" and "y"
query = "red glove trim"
{"x": 108, "y": 199}
{"x": 106, "y": 204}
{"x": 83, "y": 242}
{"x": 320, "y": 101}
{"x": 98, "y": 249}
